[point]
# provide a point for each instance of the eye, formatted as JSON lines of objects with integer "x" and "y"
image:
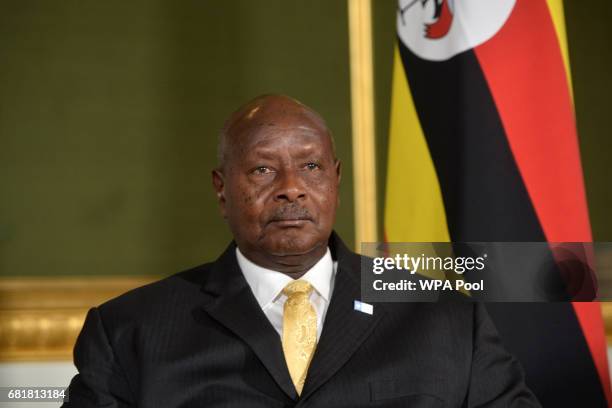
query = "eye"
{"x": 261, "y": 170}
{"x": 312, "y": 166}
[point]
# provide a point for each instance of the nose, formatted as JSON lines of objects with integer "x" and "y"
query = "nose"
{"x": 290, "y": 187}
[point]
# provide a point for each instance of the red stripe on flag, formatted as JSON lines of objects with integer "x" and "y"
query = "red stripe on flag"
{"x": 524, "y": 69}
{"x": 591, "y": 321}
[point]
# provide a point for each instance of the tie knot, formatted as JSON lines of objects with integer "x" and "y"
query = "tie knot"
{"x": 297, "y": 287}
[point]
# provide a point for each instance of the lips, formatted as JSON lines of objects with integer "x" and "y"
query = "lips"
{"x": 289, "y": 223}
{"x": 290, "y": 218}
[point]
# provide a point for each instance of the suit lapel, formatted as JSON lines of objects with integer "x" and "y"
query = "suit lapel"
{"x": 232, "y": 304}
{"x": 345, "y": 329}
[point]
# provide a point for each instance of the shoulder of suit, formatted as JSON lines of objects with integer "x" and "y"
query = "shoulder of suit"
{"x": 171, "y": 292}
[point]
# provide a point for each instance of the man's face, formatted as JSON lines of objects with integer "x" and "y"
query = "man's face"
{"x": 279, "y": 189}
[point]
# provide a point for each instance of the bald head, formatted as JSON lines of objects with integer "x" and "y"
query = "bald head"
{"x": 267, "y": 111}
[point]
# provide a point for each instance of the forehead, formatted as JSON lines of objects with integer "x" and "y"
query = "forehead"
{"x": 269, "y": 137}
{"x": 276, "y": 139}
{"x": 274, "y": 123}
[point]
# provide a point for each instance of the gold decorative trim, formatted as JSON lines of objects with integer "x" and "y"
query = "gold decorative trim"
{"x": 362, "y": 112}
{"x": 40, "y": 318}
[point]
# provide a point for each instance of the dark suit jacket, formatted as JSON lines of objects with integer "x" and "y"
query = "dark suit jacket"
{"x": 199, "y": 339}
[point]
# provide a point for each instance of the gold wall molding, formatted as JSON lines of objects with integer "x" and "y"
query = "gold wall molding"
{"x": 40, "y": 318}
{"x": 362, "y": 118}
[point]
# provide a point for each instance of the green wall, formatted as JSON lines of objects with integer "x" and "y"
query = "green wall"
{"x": 590, "y": 44}
{"x": 109, "y": 113}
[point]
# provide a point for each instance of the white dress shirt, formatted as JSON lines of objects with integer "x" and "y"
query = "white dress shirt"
{"x": 267, "y": 286}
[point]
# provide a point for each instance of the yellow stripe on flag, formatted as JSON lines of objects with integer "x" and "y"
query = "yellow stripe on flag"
{"x": 414, "y": 210}
{"x": 558, "y": 16}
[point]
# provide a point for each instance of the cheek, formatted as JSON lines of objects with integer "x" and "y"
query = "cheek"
{"x": 247, "y": 198}
{"x": 248, "y": 202}
{"x": 325, "y": 193}
{"x": 255, "y": 195}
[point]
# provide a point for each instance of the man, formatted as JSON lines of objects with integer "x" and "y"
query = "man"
{"x": 272, "y": 323}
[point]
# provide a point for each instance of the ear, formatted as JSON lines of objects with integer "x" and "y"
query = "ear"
{"x": 218, "y": 182}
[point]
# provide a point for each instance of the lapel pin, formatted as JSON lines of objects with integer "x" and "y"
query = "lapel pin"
{"x": 364, "y": 307}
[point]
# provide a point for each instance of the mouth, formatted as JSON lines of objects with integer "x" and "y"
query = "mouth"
{"x": 290, "y": 222}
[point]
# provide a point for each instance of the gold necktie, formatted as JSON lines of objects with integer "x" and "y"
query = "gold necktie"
{"x": 299, "y": 331}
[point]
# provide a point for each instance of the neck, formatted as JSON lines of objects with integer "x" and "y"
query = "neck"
{"x": 292, "y": 265}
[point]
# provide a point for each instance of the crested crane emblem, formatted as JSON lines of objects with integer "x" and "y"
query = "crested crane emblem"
{"x": 440, "y": 29}
{"x": 443, "y": 16}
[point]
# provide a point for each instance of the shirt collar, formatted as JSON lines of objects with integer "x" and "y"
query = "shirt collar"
{"x": 267, "y": 284}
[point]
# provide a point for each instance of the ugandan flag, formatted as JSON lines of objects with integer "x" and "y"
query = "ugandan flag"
{"x": 483, "y": 147}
